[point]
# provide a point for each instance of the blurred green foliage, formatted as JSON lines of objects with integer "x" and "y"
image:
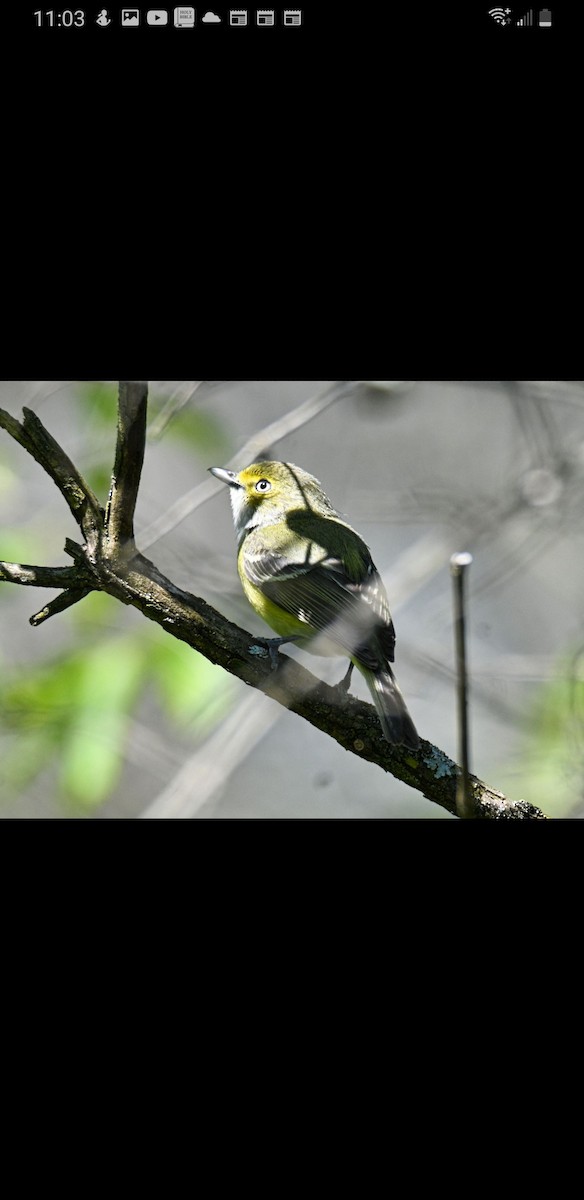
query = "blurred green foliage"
{"x": 22, "y": 546}
{"x": 551, "y": 772}
{"x": 74, "y": 712}
{"x": 201, "y": 432}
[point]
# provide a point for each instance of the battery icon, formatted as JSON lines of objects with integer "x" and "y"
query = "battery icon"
{"x": 545, "y": 16}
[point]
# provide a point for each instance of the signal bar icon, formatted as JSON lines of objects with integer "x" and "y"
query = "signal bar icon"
{"x": 527, "y": 19}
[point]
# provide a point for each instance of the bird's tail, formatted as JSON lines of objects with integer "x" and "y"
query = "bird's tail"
{"x": 397, "y": 725}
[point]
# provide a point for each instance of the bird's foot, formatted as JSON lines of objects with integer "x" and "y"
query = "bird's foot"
{"x": 343, "y": 685}
{"x": 272, "y": 645}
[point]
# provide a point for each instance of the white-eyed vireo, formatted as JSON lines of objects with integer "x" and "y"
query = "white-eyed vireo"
{"x": 312, "y": 579}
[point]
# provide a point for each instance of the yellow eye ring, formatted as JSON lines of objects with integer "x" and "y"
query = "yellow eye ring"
{"x": 263, "y": 485}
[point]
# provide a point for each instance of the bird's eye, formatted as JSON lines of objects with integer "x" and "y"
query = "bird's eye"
{"x": 263, "y": 485}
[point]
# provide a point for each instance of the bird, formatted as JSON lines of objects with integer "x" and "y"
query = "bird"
{"x": 311, "y": 578}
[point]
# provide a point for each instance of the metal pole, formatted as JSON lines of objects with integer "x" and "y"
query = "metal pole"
{"x": 464, "y": 799}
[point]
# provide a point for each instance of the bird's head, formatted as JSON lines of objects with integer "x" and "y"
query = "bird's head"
{"x": 266, "y": 492}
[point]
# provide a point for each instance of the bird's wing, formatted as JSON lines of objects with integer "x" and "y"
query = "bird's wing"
{"x": 340, "y": 595}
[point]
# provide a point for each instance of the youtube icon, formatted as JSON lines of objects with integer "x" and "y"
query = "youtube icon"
{"x": 157, "y": 16}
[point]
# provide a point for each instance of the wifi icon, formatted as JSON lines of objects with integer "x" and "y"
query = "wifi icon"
{"x": 499, "y": 15}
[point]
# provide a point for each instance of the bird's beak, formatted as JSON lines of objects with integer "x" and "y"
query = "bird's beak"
{"x": 225, "y": 476}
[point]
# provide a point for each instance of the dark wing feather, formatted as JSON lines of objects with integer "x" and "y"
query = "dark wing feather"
{"x": 316, "y": 587}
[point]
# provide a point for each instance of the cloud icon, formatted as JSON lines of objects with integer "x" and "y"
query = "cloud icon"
{"x": 209, "y": 17}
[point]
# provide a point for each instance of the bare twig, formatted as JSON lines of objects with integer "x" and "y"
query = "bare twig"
{"x": 34, "y": 438}
{"x": 119, "y": 518}
{"x": 52, "y": 577}
{"x": 59, "y": 604}
{"x": 109, "y": 562}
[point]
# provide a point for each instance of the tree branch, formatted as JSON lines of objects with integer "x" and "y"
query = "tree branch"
{"x": 34, "y": 438}
{"x": 53, "y": 577}
{"x": 109, "y": 562}
{"x": 119, "y": 517}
